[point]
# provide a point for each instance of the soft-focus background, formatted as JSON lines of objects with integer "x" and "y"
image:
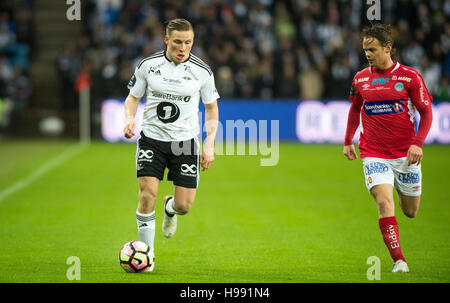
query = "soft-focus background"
{"x": 286, "y": 65}
{"x": 263, "y": 50}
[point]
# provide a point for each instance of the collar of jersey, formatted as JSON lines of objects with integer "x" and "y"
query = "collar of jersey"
{"x": 165, "y": 56}
{"x": 384, "y": 71}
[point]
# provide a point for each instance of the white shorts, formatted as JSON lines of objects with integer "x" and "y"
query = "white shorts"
{"x": 407, "y": 179}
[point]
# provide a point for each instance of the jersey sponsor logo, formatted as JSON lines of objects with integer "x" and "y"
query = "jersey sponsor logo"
{"x": 404, "y": 79}
{"x": 366, "y": 86}
{"x": 409, "y": 178}
{"x": 189, "y": 170}
{"x": 172, "y": 81}
{"x": 167, "y": 112}
{"x": 375, "y": 168}
{"x": 383, "y": 107}
{"x": 152, "y": 70}
{"x": 171, "y": 97}
{"x": 187, "y": 68}
{"x": 379, "y": 81}
{"x": 399, "y": 86}
{"x": 362, "y": 80}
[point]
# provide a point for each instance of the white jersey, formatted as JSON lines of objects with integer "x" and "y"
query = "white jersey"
{"x": 173, "y": 94}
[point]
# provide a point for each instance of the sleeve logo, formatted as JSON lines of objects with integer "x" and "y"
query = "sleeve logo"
{"x": 132, "y": 81}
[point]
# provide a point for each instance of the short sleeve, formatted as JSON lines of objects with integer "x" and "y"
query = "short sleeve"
{"x": 208, "y": 91}
{"x": 138, "y": 83}
{"x": 354, "y": 95}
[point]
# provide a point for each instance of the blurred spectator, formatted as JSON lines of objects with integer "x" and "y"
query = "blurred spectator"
{"x": 68, "y": 67}
{"x": 443, "y": 90}
{"x": 311, "y": 84}
{"x": 431, "y": 73}
{"x": 339, "y": 77}
{"x": 16, "y": 45}
{"x": 19, "y": 90}
{"x": 265, "y": 49}
{"x": 286, "y": 79}
{"x": 224, "y": 82}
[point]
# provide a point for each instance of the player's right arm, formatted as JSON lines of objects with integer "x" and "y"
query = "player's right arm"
{"x": 131, "y": 105}
{"x": 352, "y": 123}
{"x": 137, "y": 87}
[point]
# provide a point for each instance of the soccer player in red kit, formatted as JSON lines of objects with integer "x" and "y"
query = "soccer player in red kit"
{"x": 384, "y": 98}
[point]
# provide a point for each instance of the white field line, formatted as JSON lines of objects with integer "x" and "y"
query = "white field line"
{"x": 42, "y": 170}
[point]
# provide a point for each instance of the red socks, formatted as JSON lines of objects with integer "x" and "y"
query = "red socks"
{"x": 389, "y": 230}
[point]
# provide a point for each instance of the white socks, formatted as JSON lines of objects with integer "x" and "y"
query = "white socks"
{"x": 170, "y": 208}
{"x": 146, "y": 227}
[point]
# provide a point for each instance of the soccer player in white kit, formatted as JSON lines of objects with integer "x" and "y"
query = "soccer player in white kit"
{"x": 173, "y": 81}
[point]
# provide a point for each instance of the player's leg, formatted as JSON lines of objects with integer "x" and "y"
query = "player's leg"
{"x": 145, "y": 213}
{"x": 382, "y": 193}
{"x": 178, "y": 204}
{"x": 408, "y": 181}
{"x": 182, "y": 201}
{"x": 150, "y": 165}
{"x": 184, "y": 172}
{"x": 380, "y": 183}
{"x": 409, "y": 204}
{"x": 148, "y": 191}
{"x": 387, "y": 222}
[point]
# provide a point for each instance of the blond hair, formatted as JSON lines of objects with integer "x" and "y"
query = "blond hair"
{"x": 178, "y": 24}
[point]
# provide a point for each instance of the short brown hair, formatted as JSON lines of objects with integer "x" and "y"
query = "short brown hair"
{"x": 381, "y": 32}
{"x": 178, "y": 25}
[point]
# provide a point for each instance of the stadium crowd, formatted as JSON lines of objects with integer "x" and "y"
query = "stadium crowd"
{"x": 16, "y": 47}
{"x": 263, "y": 49}
{"x": 258, "y": 49}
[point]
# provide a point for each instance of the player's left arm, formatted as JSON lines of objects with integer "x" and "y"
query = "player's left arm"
{"x": 211, "y": 123}
{"x": 422, "y": 100}
{"x": 209, "y": 96}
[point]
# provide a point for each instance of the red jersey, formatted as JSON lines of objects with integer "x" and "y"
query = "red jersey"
{"x": 384, "y": 101}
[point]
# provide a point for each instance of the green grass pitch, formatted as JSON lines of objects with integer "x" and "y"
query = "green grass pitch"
{"x": 307, "y": 219}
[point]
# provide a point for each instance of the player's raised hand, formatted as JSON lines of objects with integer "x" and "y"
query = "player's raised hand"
{"x": 414, "y": 155}
{"x": 128, "y": 131}
{"x": 349, "y": 152}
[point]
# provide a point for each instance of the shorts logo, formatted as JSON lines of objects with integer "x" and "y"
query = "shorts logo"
{"x": 189, "y": 170}
{"x": 409, "y": 178}
{"x": 369, "y": 180}
{"x": 375, "y": 168}
{"x": 145, "y": 155}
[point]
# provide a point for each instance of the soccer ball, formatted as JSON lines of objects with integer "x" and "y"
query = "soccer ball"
{"x": 136, "y": 256}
